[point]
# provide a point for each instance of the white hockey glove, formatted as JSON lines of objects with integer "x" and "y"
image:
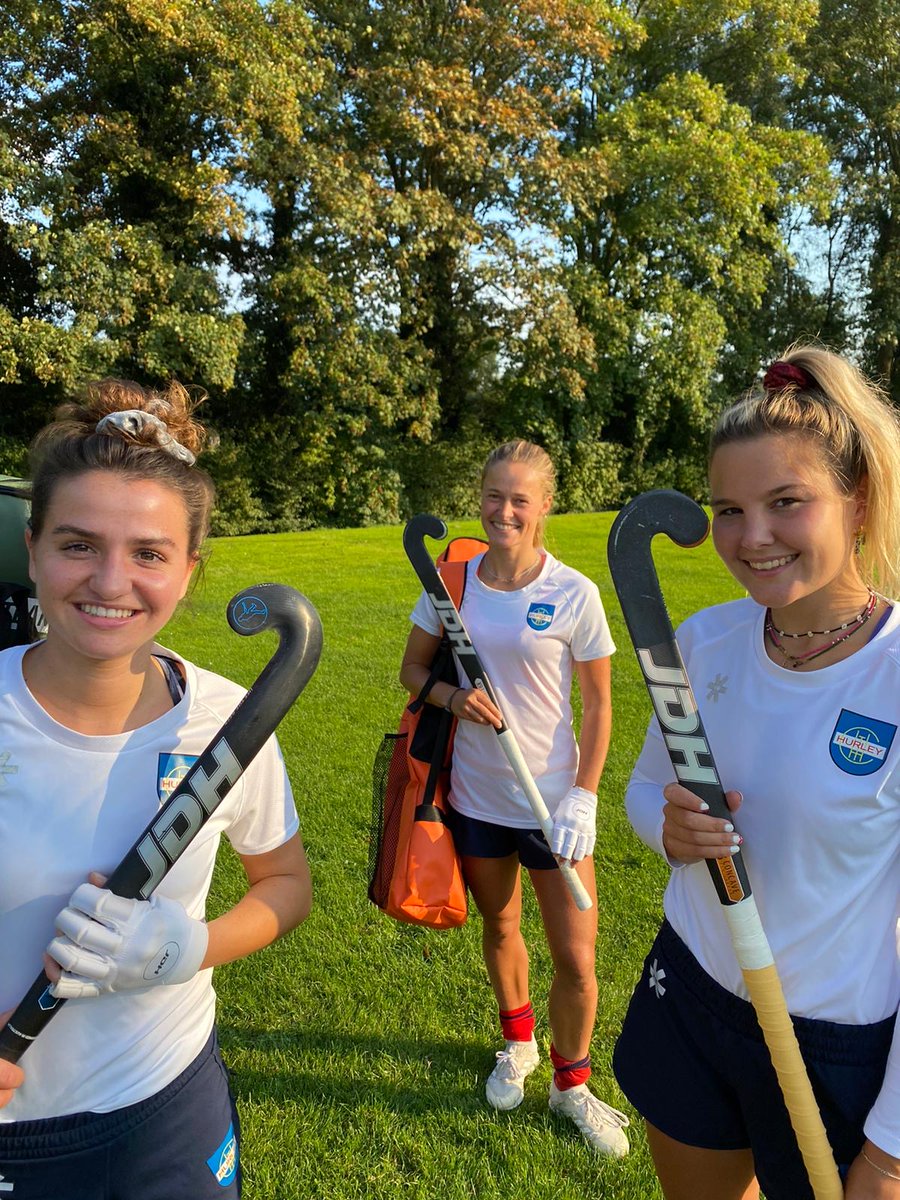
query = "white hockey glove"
{"x": 110, "y": 944}
{"x": 575, "y": 825}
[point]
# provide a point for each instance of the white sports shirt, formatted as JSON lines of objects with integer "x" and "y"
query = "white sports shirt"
{"x": 817, "y": 758}
{"x": 527, "y": 641}
{"x": 70, "y": 804}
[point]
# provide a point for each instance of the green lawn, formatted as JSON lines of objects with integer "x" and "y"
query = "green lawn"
{"x": 358, "y": 1047}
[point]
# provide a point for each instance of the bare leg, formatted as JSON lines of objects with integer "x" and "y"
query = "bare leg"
{"x": 497, "y": 891}
{"x": 572, "y": 938}
{"x": 692, "y": 1173}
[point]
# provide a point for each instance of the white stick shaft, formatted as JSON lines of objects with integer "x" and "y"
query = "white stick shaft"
{"x": 542, "y": 814}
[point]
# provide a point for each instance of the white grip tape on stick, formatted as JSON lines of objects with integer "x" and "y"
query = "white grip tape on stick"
{"x": 751, "y": 946}
{"x": 542, "y": 814}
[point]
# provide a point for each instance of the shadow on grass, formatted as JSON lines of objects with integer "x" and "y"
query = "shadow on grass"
{"x": 413, "y": 1075}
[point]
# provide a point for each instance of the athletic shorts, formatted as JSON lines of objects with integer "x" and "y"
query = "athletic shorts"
{"x": 692, "y": 1060}
{"x": 483, "y": 839}
{"x": 181, "y": 1144}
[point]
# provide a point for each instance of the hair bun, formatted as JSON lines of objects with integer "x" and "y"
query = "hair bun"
{"x": 138, "y": 423}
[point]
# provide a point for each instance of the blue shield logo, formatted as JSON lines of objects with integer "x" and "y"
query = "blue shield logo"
{"x": 540, "y": 615}
{"x": 860, "y": 745}
{"x": 224, "y": 1162}
{"x": 170, "y": 772}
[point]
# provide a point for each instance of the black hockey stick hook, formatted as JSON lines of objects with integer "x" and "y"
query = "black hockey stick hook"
{"x": 630, "y": 559}
{"x": 418, "y": 528}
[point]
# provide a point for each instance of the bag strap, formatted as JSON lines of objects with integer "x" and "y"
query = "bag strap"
{"x": 454, "y": 576}
{"x": 461, "y": 549}
{"x": 426, "y": 809}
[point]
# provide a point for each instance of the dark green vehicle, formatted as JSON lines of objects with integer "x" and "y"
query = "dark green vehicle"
{"x": 20, "y": 618}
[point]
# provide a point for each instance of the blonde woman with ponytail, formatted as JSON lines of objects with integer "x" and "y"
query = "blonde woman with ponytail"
{"x": 799, "y": 690}
{"x": 538, "y": 626}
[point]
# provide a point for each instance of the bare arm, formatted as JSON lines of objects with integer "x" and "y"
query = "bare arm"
{"x": 874, "y": 1175}
{"x": 421, "y": 647}
{"x": 596, "y": 720}
{"x": 278, "y": 899}
{"x": 469, "y": 704}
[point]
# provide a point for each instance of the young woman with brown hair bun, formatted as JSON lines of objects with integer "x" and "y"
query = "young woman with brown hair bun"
{"x": 124, "y": 1093}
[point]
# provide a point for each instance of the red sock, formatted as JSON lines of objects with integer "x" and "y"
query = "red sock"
{"x": 568, "y": 1072}
{"x": 517, "y": 1024}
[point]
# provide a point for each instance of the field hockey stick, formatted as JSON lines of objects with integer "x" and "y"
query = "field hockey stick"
{"x": 210, "y": 779}
{"x": 414, "y": 536}
{"x": 637, "y": 585}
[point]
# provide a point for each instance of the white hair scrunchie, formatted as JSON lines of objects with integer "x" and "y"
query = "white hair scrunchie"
{"x": 135, "y": 421}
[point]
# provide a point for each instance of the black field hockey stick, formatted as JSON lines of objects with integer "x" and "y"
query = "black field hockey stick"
{"x": 635, "y": 580}
{"x": 210, "y": 779}
{"x": 414, "y": 536}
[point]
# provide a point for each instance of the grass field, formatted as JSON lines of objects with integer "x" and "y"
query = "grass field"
{"x": 358, "y": 1047}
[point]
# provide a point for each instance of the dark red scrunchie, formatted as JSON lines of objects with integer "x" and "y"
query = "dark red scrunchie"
{"x": 781, "y": 374}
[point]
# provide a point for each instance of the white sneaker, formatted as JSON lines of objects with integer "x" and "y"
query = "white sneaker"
{"x": 505, "y": 1087}
{"x": 600, "y": 1124}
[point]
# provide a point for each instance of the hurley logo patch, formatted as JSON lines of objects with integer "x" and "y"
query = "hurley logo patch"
{"x": 170, "y": 772}
{"x": 224, "y": 1161}
{"x": 540, "y": 616}
{"x": 860, "y": 745}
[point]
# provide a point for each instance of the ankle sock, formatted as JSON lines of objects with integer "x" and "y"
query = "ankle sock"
{"x": 567, "y": 1072}
{"x": 517, "y": 1024}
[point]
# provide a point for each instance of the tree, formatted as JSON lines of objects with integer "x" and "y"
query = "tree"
{"x": 851, "y": 99}
{"x": 409, "y": 236}
{"x": 679, "y": 246}
{"x": 383, "y": 236}
{"x": 120, "y": 125}
{"x": 453, "y": 111}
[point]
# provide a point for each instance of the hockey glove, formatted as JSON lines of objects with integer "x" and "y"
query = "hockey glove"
{"x": 575, "y": 825}
{"x": 110, "y": 944}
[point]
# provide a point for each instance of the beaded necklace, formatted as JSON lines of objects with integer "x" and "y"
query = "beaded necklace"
{"x": 870, "y": 605}
{"x": 513, "y": 578}
{"x": 844, "y": 631}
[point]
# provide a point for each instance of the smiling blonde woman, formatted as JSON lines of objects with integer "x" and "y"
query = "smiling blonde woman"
{"x": 802, "y": 716}
{"x": 536, "y": 624}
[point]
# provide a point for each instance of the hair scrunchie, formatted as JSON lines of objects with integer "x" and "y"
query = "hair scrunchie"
{"x": 782, "y": 374}
{"x": 134, "y": 421}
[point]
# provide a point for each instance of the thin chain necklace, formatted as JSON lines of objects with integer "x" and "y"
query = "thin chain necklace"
{"x": 870, "y": 605}
{"x": 512, "y": 578}
{"x": 798, "y": 660}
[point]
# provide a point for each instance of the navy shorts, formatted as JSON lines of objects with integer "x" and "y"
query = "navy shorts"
{"x": 181, "y": 1144}
{"x": 483, "y": 839}
{"x": 692, "y": 1060}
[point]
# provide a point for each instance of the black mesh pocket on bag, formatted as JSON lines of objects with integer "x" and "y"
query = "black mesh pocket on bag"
{"x": 390, "y": 775}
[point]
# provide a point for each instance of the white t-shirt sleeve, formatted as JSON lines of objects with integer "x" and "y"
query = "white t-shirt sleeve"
{"x": 267, "y": 816}
{"x": 644, "y": 798}
{"x": 591, "y": 637}
{"x": 883, "y": 1122}
{"x": 424, "y": 615}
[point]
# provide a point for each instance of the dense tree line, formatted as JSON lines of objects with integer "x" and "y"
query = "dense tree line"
{"x": 381, "y": 237}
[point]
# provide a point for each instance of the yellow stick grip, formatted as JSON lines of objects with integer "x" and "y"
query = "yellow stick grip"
{"x": 767, "y": 998}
